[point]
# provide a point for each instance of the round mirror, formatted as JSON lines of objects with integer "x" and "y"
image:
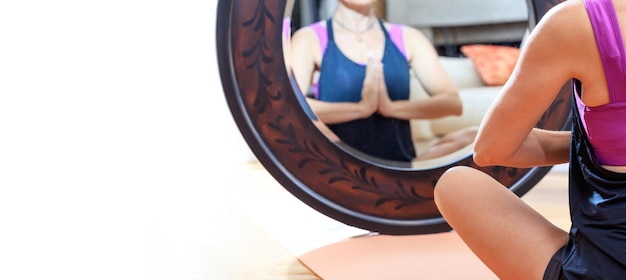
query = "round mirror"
{"x": 429, "y": 137}
{"x": 274, "y": 117}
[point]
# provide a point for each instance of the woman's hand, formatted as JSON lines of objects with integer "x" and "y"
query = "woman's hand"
{"x": 384, "y": 102}
{"x": 378, "y": 84}
{"x": 371, "y": 85}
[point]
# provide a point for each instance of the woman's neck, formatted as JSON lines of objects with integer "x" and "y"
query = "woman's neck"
{"x": 355, "y": 17}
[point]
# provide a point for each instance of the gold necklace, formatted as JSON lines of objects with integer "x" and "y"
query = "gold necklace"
{"x": 357, "y": 32}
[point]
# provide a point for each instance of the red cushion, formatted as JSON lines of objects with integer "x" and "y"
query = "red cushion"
{"x": 494, "y": 64}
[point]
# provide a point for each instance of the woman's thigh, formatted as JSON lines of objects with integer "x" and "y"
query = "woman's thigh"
{"x": 511, "y": 238}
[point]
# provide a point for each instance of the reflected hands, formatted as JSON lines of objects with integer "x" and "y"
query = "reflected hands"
{"x": 371, "y": 85}
{"x": 374, "y": 96}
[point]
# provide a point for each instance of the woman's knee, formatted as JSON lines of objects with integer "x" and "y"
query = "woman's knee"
{"x": 452, "y": 184}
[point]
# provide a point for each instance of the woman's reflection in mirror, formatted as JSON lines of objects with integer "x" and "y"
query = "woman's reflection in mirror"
{"x": 581, "y": 40}
{"x": 357, "y": 69}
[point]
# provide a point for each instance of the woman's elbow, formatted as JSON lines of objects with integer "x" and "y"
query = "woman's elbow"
{"x": 457, "y": 108}
{"x": 454, "y": 106}
{"x": 484, "y": 157}
{"x": 480, "y": 160}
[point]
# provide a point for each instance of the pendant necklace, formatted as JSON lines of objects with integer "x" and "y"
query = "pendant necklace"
{"x": 357, "y": 32}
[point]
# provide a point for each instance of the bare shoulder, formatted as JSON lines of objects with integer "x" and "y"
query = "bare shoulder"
{"x": 416, "y": 43}
{"x": 305, "y": 43}
{"x": 568, "y": 15}
{"x": 414, "y": 35}
{"x": 565, "y": 35}
{"x": 304, "y": 35}
{"x": 562, "y": 33}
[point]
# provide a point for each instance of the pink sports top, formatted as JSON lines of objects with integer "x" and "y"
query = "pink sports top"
{"x": 605, "y": 125}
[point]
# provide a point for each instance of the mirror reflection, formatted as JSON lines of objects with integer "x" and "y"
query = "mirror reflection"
{"x": 406, "y": 81}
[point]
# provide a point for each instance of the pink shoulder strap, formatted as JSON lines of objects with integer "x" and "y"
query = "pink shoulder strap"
{"x": 397, "y": 37}
{"x": 610, "y": 44}
{"x": 322, "y": 35}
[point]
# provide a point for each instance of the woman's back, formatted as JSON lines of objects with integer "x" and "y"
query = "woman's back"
{"x": 597, "y": 196}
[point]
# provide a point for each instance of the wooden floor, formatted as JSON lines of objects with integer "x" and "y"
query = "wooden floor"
{"x": 284, "y": 239}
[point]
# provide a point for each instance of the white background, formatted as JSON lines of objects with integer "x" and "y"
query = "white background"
{"x": 114, "y": 136}
{"x": 115, "y": 139}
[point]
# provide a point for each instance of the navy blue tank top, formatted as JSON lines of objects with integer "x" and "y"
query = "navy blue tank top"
{"x": 341, "y": 80}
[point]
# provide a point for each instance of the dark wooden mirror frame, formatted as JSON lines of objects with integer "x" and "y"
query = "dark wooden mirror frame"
{"x": 274, "y": 119}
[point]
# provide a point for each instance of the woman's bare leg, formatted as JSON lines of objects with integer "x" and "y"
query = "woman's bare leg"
{"x": 511, "y": 238}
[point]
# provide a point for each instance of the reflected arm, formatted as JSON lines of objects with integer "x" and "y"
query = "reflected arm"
{"x": 444, "y": 98}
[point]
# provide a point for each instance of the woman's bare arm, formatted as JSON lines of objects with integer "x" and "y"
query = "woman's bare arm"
{"x": 549, "y": 59}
